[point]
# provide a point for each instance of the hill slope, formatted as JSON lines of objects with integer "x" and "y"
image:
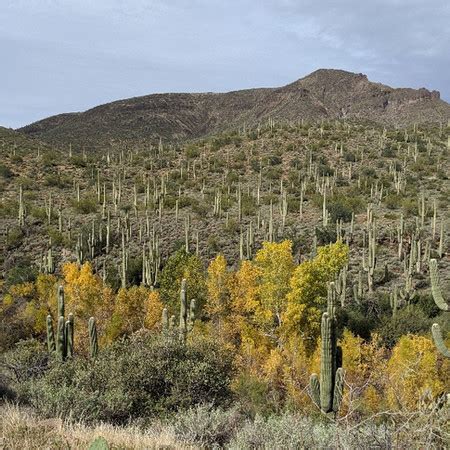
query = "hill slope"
{"x": 323, "y": 94}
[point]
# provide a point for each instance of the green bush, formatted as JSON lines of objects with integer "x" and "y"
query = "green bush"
{"x": 408, "y": 319}
{"x": 143, "y": 376}
{"x": 5, "y": 172}
{"x": 86, "y": 205}
{"x": 182, "y": 265}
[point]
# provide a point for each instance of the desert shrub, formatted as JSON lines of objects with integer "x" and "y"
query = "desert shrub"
{"x": 339, "y": 209}
{"x": 326, "y": 235}
{"x": 273, "y": 172}
{"x": 57, "y": 180}
{"x": 5, "y": 172}
{"x": 86, "y": 205}
{"x": 206, "y": 426}
{"x": 349, "y": 156}
{"x": 28, "y": 360}
{"x": 392, "y": 201}
{"x": 409, "y": 319}
{"x": 14, "y": 238}
{"x": 20, "y": 271}
{"x": 50, "y": 158}
{"x": 388, "y": 152}
{"x": 139, "y": 377}
{"x": 192, "y": 151}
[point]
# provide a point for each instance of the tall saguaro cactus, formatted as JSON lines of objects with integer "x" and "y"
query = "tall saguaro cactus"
{"x": 327, "y": 390}
{"x": 187, "y": 315}
{"x": 442, "y": 304}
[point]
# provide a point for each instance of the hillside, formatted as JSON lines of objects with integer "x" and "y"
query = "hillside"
{"x": 199, "y": 275}
{"x": 324, "y": 94}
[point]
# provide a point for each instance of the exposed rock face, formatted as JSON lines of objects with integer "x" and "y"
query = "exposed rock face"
{"x": 325, "y": 93}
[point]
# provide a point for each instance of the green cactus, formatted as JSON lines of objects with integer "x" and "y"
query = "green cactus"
{"x": 327, "y": 391}
{"x": 183, "y": 312}
{"x": 60, "y": 339}
{"x": 50, "y": 335}
{"x": 69, "y": 336}
{"x": 93, "y": 341}
{"x": 191, "y": 315}
{"x": 60, "y": 301}
{"x": 442, "y": 304}
{"x": 165, "y": 319}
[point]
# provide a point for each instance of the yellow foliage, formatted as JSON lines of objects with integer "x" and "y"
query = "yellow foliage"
{"x": 414, "y": 368}
{"x": 308, "y": 287}
{"x": 153, "y": 310}
{"x": 365, "y": 368}
{"x": 275, "y": 264}
{"x": 217, "y": 283}
{"x": 22, "y": 290}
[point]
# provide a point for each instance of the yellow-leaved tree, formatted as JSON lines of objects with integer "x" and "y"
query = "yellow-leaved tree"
{"x": 414, "y": 368}
{"x": 306, "y": 298}
{"x": 135, "y": 308}
{"x": 87, "y": 296}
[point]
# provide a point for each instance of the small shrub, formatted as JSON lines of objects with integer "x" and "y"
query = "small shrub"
{"x": 5, "y": 172}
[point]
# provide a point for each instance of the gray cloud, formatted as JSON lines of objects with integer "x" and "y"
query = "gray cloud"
{"x": 69, "y": 55}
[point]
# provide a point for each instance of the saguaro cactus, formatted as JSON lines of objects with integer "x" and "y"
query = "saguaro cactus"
{"x": 183, "y": 311}
{"x": 63, "y": 345}
{"x": 50, "y": 335}
{"x": 93, "y": 341}
{"x": 187, "y": 315}
{"x": 327, "y": 391}
{"x": 442, "y": 304}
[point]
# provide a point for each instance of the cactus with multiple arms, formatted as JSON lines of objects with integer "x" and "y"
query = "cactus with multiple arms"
{"x": 327, "y": 391}
{"x": 442, "y": 304}
{"x": 63, "y": 345}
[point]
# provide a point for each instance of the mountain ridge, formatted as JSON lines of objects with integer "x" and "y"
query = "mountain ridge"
{"x": 323, "y": 94}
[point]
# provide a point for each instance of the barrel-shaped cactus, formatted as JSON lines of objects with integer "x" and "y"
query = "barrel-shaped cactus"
{"x": 442, "y": 304}
{"x": 327, "y": 390}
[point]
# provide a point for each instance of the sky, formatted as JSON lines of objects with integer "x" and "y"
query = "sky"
{"x": 70, "y": 55}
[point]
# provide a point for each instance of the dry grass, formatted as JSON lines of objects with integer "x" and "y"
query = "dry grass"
{"x": 21, "y": 429}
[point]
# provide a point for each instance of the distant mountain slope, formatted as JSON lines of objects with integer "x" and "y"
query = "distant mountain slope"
{"x": 325, "y": 93}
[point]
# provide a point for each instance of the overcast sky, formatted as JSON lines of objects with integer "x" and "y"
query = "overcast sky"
{"x": 69, "y": 55}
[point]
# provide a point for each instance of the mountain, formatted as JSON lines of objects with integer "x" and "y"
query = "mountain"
{"x": 325, "y": 93}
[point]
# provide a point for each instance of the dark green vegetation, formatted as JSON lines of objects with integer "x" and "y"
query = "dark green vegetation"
{"x": 144, "y": 376}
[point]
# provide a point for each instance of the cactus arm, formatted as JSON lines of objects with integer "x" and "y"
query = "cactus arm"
{"x": 60, "y": 339}
{"x": 439, "y": 340}
{"x": 69, "y": 336}
{"x": 183, "y": 311}
{"x": 50, "y": 335}
{"x": 314, "y": 385}
{"x": 60, "y": 301}
{"x": 165, "y": 319}
{"x": 435, "y": 287}
{"x": 338, "y": 389}
{"x": 93, "y": 342}
{"x": 191, "y": 317}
